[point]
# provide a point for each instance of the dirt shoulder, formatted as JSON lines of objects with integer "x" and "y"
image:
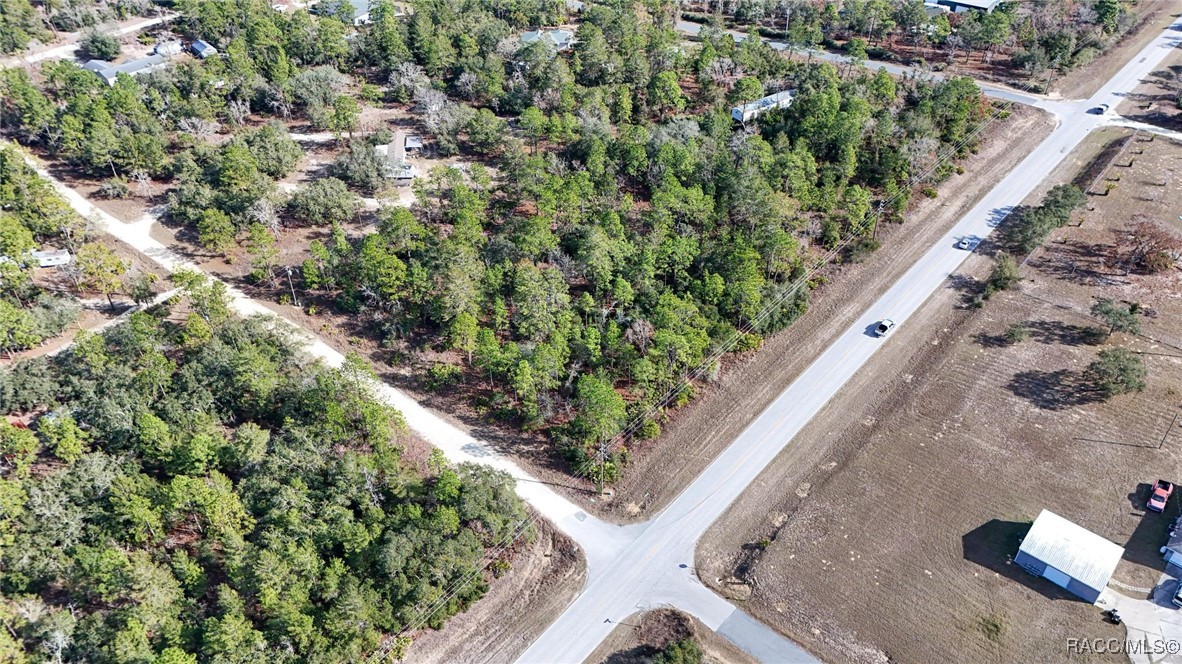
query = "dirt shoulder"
{"x": 544, "y": 579}
{"x": 1081, "y": 83}
{"x": 642, "y": 635}
{"x": 886, "y": 531}
{"x": 1155, "y": 100}
{"x": 695, "y": 435}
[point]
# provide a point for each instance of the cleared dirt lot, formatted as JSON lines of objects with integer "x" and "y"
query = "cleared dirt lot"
{"x": 640, "y": 637}
{"x": 885, "y": 530}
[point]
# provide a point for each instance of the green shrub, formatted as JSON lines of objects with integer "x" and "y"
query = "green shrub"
{"x": 1017, "y": 333}
{"x": 442, "y": 376}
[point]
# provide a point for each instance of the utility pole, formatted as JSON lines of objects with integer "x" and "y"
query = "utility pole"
{"x": 295, "y": 300}
{"x": 602, "y": 465}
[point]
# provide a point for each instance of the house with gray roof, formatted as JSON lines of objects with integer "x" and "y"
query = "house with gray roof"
{"x": 961, "y": 6}
{"x": 560, "y": 38}
{"x": 109, "y": 71}
{"x": 752, "y": 110}
{"x": 203, "y": 49}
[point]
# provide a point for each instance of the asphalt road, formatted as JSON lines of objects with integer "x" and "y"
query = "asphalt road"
{"x": 656, "y": 569}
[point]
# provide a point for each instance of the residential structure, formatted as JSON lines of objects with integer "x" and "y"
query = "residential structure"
{"x": 203, "y": 49}
{"x": 961, "y": 6}
{"x": 1069, "y": 556}
{"x": 169, "y": 48}
{"x": 561, "y": 39}
{"x": 109, "y": 71}
{"x": 1172, "y": 551}
{"x": 397, "y": 168}
{"x": 752, "y": 110}
{"x": 413, "y": 143}
{"x": 51, "y": 257}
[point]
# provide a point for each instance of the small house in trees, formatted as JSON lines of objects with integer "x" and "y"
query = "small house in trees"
{"x": 413, "y": 143}
{"x": 934, "y": 9}
{"x": 394, "y": 156}
{"x": 561, "y": 39}
{"x": 961, "y": 6}
{"x": 754, "y": 109}
{"x": 361, "y": 13}
{"x": 109, "y": 72}
{"x": 203, "y": 49}
{"x": 169, "y": 48}
{"x": 51, "y": 257}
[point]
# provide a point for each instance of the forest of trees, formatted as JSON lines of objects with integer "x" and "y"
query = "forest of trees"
{"x": 624, "y": 231}
{"x": 192, "y": 489}
{"x": 1038, "y": 37}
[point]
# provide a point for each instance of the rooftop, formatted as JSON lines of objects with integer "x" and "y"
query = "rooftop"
{"x": 768, "y": 101}
{"x": 975, "y": 4}
{"x": 1072, "y": 549}
{"x": 557, "y": 36}
{"x": 109, "y": 71}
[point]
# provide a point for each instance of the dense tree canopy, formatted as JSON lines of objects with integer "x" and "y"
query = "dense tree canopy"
{"x": 192, "y": 490}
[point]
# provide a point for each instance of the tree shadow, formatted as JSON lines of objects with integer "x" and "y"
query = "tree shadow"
{"x": 1053, "y": 390}
{"x": 1081, "y": 262}
{"x": 1066, "y": 334}
{"x": 638, "y": 655}
{"x": 1140, "y": 496}
{"x": 992, "y": 340}
{"x": 1153, "y": 530}
{"x": 969, "y": 288}
{"x": 993, "y": 546}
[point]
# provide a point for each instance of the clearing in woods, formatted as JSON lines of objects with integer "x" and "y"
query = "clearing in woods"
{"x": 896, "y": 539}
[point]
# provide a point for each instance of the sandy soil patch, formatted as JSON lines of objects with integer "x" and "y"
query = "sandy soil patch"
{"x": 886, "y": 529}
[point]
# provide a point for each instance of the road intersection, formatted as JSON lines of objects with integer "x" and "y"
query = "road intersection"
{"x": 649, "y": 565}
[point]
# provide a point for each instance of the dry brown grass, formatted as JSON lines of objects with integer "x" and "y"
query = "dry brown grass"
{"x": 896, "y": 541}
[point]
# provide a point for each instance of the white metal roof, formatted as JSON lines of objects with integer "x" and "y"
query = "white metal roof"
{"x": 1072, "y": 549}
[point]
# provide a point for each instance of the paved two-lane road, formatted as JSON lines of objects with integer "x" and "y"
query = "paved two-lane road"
{"x": 657, "y": 568}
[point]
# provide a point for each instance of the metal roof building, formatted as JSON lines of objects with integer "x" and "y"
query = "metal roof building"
{"x": 109, "y": 71}
{"x": 758, "y": 107}
{"x": 961, "y": 6}
{"x": 203, "y": 49}
{"x": 561, "y": 39}
{"x": 1068, "y": 555}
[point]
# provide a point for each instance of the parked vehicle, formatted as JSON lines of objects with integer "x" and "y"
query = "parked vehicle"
{"x": 1176, "y": 600}
{"x": 884, "y": 327}
{"x": 1161, "y": 495}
